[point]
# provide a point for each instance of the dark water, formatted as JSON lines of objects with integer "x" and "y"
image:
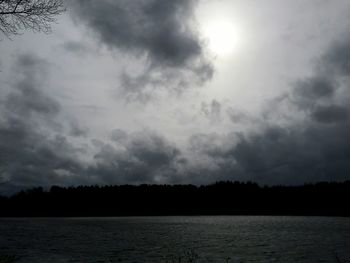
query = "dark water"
{"x": 166, "y": 239}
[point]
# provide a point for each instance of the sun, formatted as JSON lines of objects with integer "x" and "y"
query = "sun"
{"x": 222, "y": 36}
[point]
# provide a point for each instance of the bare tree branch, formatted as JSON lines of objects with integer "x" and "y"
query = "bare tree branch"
{"x": 37, "y": 15}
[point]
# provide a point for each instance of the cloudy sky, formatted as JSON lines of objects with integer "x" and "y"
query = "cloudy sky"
{"x": 181, "y": 91}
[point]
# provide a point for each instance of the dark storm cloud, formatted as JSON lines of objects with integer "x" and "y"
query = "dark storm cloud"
{"x": 143, "y": 157}
{"x": 316, "y": 94}
{"x": 337, "y": 60}
{"x": 30, "y": 152}
{"x": 310, "y": 91}
{"x": 313, "y": 149}
{"x": 34, "y": 152}
{"x": 331, "y": 72}
{"x": 330, "y": 114}
{"x": 296, "y": 155}
{"x": 27, "y": 98}
{"x": 156, "y": 27}
{"x": 164, "y": 31}
{"x": 276, "y": 155}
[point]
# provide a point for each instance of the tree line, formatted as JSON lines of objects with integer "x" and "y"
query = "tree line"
{"x": 221, "y": 198}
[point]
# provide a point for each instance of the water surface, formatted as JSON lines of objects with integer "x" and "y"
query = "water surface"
{"x": 166, "y": 239}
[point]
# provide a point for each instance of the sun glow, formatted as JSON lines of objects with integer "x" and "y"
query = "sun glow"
{"x": 223, "y": 37}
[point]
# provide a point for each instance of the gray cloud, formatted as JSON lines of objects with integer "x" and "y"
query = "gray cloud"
{"x": 238, "y": 116}
{"x": 337, "y": 59}
{"x": 330, "y": 114}
{"x": 212, "y": 111}
{"x": 119, "y": 136}
{"x": 38, "y": 148}
{"x": 296, "y": 155}
{"x": 310, "y": 91}
{"x": 27, "y": 98}
{"x": 276, "y": 155}
{"x": 143, "y": 157}
{"x": 76, "y": 47}
{"x": 34, "y": 152}
{"x": 77, "y": 130}
{"x": 144, "y": 87}
{"x": 331, "y": 72}
{"x": 31, "y": 152}
{"x": 300, "y": 151}
{"x": 153, "y": 26}
{"x": 309, "y": 149}
{"x": 162, "y": 31}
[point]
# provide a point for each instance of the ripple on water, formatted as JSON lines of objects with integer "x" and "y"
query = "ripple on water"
{"x": 164, "y": 239}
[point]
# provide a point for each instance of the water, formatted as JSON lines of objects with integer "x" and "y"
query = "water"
{"x": 166, "y": 239}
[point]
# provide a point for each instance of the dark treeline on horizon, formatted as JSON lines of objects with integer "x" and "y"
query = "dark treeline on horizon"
{"x": 221, "y": 198}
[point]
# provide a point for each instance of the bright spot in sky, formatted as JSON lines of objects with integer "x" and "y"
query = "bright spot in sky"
{"x": 223, "y": 36}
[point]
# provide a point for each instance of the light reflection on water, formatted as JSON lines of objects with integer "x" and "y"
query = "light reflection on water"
{"x": 165, "y": 239}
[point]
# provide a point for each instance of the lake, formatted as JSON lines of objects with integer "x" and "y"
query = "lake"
{"x": 176, "y": 239}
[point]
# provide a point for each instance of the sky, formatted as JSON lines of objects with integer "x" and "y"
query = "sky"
{"x": 181, "y": 91}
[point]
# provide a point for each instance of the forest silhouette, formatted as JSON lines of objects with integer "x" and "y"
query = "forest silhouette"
{"x": 221, "y": 198}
